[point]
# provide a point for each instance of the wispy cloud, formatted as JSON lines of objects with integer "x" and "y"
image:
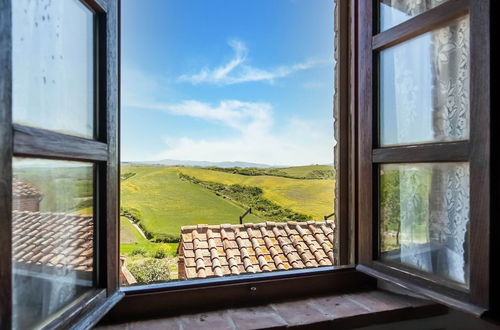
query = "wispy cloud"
{"x": 236, "y": 71}
{"x": 235, "y": 114}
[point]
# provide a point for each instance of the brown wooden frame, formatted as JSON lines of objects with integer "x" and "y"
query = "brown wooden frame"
{"x": 18, "y": 140}
{"x": 345, "y": 236}
{"x": 477, "y": 299}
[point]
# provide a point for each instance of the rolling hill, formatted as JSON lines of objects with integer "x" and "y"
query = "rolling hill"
{"x": 166, "y": 202}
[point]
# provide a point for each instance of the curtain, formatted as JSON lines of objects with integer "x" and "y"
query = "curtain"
{"x": 449, "y": 216}
{"x": 434, "y": 199}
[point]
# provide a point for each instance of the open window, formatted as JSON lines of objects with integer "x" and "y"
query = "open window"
{"x": 413, "y": 159}
{"x": 424, "y": 147}
{"x": 58, "y": 110}
{"x": 228, "y": 141}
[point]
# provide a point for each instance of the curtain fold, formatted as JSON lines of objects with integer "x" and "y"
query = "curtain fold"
{"x": 434, "y": 201}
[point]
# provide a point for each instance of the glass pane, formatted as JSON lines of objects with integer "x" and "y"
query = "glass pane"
{"x": 424, "y": 88}
{"x": 424, "y": 217}
{"x": 53, "y": 66}
{"x": 52, "y": 236}
{"x": 394, "y": 12}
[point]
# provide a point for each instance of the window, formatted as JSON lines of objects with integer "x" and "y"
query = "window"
{"x": 424, "y": 139}
{"x": 412, "y": 106}
{"x": 58, "y": 164}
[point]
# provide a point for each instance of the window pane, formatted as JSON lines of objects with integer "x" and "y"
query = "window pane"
{"x": 424, "y": 217}
{"x": 52, "y": 236}
{"x": 394, "y": 12}
{"x": 424, "y": 88}
{"x": 53, "y": 65}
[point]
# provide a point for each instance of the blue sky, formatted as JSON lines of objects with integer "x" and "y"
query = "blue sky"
{"x": 240, "y": 80}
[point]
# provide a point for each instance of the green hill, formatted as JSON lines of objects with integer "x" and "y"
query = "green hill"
{"x": 306, "y": 171}
{"x": 311, "y": 197}
{"x": 166, "y": 202}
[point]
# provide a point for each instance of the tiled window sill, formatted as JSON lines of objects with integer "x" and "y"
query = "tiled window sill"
{"x": 345, "y": 311}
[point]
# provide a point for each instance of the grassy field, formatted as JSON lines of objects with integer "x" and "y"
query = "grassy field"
{"x": 303, "y": 171}
{"x": 311, "y": 197}
{"x": 166, "y": 202}
{"x": 148, "y": 249}
{"x": 129, "y": 234}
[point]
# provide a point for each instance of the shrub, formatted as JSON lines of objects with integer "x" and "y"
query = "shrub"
{"x": 131, "y": 213}
{"x": 138, "y": 251}
{"x": 127, "y": 175}
{"x": 150, "y": 270}
{"x": 160, "y": 254}
{"x": 166, "y": 238}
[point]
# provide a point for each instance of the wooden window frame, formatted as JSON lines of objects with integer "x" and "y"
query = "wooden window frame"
{"x": 102, "y": 151}
{"x": 479, "y": 298}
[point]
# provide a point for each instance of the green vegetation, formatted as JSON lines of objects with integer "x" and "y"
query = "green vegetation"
{"x": 148, "y": 249}
{"x": 310, "y": 197}
{"x": 165, "y": 202}
{"x": 417, "y": 195}
{"x": 150, "y": 270}
{"x": 125, "y": 176}
{"x": 128, "y": 233}
{"x": 64, "y": 189}
{"x": 161, "y": 202}
{"x": 313, "y": 172}
{"x": 250, "y": 197}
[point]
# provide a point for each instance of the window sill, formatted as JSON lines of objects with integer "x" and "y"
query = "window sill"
{"x": 177, "y": 298}
{"x": 347, "y": 310}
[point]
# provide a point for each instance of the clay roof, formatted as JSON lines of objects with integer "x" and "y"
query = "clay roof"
{"x": 219, "y": 250}
{"x": 53, "y": 239}
{"x": 24, "y": 189}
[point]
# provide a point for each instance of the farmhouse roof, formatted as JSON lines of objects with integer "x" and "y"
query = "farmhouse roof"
{"x": 53, "y": 239}
{"x": 24, "y": 189}
{"x": 219, "y": 250}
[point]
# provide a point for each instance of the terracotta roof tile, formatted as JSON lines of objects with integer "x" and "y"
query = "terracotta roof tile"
{"x": 219, "y": 250}
{"x": 53, "y": 239}
{"x": 24, "y": 189}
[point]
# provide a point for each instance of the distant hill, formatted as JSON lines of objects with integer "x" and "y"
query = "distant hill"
{"x": 194, "y": 163}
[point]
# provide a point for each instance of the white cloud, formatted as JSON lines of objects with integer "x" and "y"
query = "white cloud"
{"x": 301, "y": 142}
{"x": 255, "y": 137}
{"x": 237, "y": 71}
{"x": 235, "y": 114}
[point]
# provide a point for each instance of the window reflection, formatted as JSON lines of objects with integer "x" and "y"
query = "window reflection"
{"x": 53, "y": 236}
{"x": 424, "y": 217}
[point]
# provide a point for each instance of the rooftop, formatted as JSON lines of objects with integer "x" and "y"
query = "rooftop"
{"x": 220, "y": 250}
{"x": 53, "y": 239}
{"x": 24, "y": 189}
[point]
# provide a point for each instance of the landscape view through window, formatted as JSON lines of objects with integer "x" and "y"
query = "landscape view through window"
{"x": 227, "y": 138}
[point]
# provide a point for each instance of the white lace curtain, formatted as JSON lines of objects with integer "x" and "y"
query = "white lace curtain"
{"x": 445, "y": 206}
